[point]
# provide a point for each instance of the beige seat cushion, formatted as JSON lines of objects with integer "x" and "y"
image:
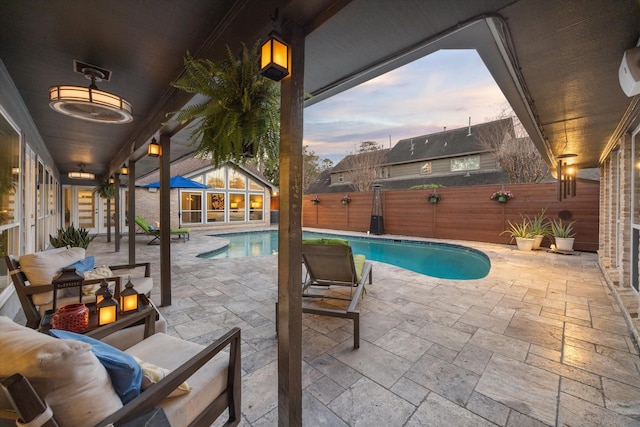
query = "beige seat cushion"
{"x": 64, "y": 373}
{"x": 207, "y": 384}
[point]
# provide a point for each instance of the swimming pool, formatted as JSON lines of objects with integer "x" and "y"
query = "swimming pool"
{"x": 443, "y": 260}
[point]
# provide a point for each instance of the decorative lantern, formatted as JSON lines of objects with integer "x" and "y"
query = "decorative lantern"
{"x": 124, "y": 170}
{"x": 154, "y": 150}
{"x": 274, "y": 62}
{"x": 102, "y": 292}
{"x": 107, "y": 309}
{"x": 68, "y": 278}
{"x": 274, "y": 59}
{"x": 128, "y": 298}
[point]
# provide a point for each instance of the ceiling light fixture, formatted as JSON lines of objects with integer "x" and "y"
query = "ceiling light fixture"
{"x": 81, "y": 174}
{"x": 89, "y": 103}
{"x": 274, "y": 60}
{"x": 154, "y": 149}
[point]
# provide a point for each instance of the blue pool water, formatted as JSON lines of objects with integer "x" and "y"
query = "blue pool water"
{"x": 441, "y": 260}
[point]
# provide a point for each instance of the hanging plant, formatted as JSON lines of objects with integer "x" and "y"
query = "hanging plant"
{"x": 105, "y": 190}
{"x": 241, "y": 117}
{"x": 346, "y": 199}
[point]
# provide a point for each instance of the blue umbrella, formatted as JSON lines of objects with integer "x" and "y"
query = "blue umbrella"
{"x": 178, "y": 181}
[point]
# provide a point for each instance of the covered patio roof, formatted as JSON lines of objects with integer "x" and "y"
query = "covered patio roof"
{"x": 556, "y": 62}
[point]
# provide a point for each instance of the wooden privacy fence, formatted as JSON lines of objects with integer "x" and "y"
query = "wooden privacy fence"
{"x": 463, "y": 213}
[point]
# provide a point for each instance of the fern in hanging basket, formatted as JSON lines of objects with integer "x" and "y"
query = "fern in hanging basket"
{"x": 240, "y": 117}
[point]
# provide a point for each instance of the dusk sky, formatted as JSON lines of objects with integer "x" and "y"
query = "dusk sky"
{"x": 442, "y": 89}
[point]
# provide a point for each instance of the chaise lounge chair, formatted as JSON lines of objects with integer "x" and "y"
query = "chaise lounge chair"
{"x": 330, "y": 262}
{"x": 182, "y": 233}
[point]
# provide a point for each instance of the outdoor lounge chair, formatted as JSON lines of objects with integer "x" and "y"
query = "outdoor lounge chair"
{"x": 330, "y": 262}
{"x": 182, "y": 233}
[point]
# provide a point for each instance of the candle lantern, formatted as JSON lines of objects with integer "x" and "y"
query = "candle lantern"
{"x": 102, "y": 291}
{"x": 128, "y": 298}
{"x": 107, "y": 309}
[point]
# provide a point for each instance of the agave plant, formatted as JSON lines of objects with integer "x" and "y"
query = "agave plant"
{"x": 558, "y": 229}
{"x": 522, "y": 229}
{"x": 71, "y": 236}
{"x": 241, "y": 117}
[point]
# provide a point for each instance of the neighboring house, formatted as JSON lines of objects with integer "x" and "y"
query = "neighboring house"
{"x": 237, "y": 195}
{"x": 449, "y": 158}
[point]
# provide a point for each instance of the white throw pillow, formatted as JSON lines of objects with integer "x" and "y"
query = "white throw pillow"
{"x": 41, "y": 267}
{"x": 66, "y": 374}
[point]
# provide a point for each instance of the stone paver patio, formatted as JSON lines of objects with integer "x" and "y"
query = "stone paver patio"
{"x": 539, "y": 341}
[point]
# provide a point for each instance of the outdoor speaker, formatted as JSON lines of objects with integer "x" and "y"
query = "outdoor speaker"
{"x": 629, "y": 72}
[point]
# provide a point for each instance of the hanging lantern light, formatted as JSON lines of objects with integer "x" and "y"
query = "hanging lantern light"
{"x": 124, "y": 170}
{"x": 154, "y": 149}
{"x": 274, "y": 60}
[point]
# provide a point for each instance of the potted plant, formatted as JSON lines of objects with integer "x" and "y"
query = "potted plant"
{"x": 521, "y": 232}
{"x": 315, "y": 200}
{"x": 540, "y": 227}
{"x": 346, "y": 199}
{"x": 502, "y": 196}
{"x": 563, "y": 235}
{"x": 434, "y": 197}
{"x": 240, "y": 116}
{"x": 72, "y": 237}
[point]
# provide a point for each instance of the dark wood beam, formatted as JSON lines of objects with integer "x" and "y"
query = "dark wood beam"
{"x": 165, "y": 221}
{"x": 290, "y": 237}
{"x": 131, "y": 211}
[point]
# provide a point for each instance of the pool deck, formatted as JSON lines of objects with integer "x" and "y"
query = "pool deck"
{"x": 539, "y": 341}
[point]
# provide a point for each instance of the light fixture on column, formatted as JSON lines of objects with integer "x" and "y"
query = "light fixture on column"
{"x": 112, "y": 180}
{"x": 124, "y": 170}
{"x": 154, "y": 149}
{"x": 274, "y": 59}
{"x": 566, "y": 176}
{"x": 89, "y": 103}
{"x": 81, "y": 174}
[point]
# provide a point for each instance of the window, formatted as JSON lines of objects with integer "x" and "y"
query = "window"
{"x": 215, "y": 179}
{"x": 236, "y": 207}
{"x": 10, "y": 171}
{"x": 191, "y": 203}
{"x": 237, "y": 181}
{"x": 426, "y": 169}
{"x": 215, "y": 207}
{"x": 255, "y": 207}
{"x": 340, "y": 177}
{"x": 465, "y": 163}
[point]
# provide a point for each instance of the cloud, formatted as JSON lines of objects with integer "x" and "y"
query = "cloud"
{"x": 442, "y": 89}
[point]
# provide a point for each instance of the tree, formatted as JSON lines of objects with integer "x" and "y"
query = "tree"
{"x": 513, "y": 149}
{"x": 364, "y": 165}
{"x": 310, "y": 167}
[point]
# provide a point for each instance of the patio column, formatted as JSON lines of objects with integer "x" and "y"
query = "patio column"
{"x": 116, "y": 201}
{"x": 131, "y": 211}
{"x": 290, "y": 237}
{"x": 165, "y": 221}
